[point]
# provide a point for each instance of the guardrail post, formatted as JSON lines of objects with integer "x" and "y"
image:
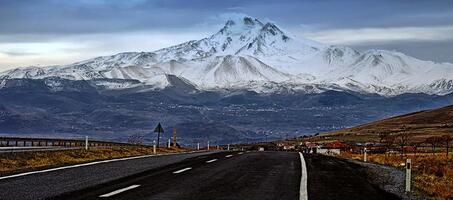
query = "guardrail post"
{"x": 86, "y": 142}
{"x": 198, "y": 146}
{"x": 408, "y": 175}
{"x": 364, "y": 155}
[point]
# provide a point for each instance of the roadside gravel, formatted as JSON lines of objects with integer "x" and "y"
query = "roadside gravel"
{"x": 389, "y": 179}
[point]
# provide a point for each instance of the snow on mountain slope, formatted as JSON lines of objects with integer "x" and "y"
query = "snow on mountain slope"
{"x": 251, "y": 54}
{"x": 228, "y": 71}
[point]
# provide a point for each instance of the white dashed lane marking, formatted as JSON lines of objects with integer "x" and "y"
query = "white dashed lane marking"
{"x": 210, "y": 161}
{"x": 182, "y": 170}
{"x": 119, "y": 191}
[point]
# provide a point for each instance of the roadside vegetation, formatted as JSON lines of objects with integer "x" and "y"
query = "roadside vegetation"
{"x": 432, "y": 173}
{"x": 27, "y": 161}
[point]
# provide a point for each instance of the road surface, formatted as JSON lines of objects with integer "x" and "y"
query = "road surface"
{"x": 334, "y": 178}
{"x": 224, "y": 175}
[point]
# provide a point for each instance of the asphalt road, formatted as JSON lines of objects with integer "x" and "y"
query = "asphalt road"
{"x": 227, "y": 175}
{"x": 49, "y": 184}
{"x": 334, "y": 178}
{"x": 224, "y": 175}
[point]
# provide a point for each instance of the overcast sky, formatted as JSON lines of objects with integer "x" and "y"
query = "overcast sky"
{"x": 50, "y": 32}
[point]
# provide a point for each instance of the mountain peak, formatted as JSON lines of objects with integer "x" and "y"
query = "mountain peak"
{"x": 236, "y": 25}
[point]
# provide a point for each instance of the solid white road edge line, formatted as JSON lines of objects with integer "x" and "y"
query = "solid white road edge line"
{"x": 228, "y": 156}
{"x": 303, "y": 193}
{"x": 119, "y": 191}
{"x": 210, "y": 161}
{"x": 82, "y": 165}
{"x": 182, "y": 170}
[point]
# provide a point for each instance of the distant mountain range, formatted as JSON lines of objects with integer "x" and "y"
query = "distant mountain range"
{"x": 249, "y": 54}
{"x": 247, "y": 82}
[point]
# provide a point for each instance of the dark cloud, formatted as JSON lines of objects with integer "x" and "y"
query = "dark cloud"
{"x": 44, "y": 21}
{"x": 87, "y": 16}
{"x": 47, "y": 16}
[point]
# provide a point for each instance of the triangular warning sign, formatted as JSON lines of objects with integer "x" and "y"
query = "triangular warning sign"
{"x": 159, "y": 129}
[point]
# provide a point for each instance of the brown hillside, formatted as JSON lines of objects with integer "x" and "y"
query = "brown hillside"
{"x": 421, "y": 125}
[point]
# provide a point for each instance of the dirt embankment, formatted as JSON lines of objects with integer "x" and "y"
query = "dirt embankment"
{"x": 27, "y": 161}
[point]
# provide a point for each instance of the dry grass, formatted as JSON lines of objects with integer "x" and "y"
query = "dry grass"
{"x": 420, "y": 125}
{"x": 433, "y": 173}
{"x": 20, "y": 162}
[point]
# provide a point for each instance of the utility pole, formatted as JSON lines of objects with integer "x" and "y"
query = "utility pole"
{"x": 174, "y": 137}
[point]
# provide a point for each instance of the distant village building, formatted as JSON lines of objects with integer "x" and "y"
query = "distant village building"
{"x": 333, "y": 148}
{"x": 329, "y": 151}
{"x": 286, "y": 145}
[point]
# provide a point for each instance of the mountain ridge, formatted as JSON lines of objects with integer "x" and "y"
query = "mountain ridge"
{"x": 252, "y": 55}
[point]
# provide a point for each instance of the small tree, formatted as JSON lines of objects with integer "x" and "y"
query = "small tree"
{"x": 416, "y": 145}
{"x": 383, "y": 135}
{"x": 447, "y": 139}
{"x": 403, "y": 138}
{"x": 388, "y": 142}
{"x": 433, "y": 141}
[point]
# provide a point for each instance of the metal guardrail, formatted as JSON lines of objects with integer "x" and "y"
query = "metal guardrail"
{"x": 56, "y": 142}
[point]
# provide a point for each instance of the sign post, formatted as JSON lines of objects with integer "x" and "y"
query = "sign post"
{"x": 174, "y": 137}
{"x": 158, "y": 130}
{"x": 408, "y": 175}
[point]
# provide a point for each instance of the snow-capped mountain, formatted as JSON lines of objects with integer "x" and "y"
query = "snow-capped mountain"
{"x": 251, "y": 54}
